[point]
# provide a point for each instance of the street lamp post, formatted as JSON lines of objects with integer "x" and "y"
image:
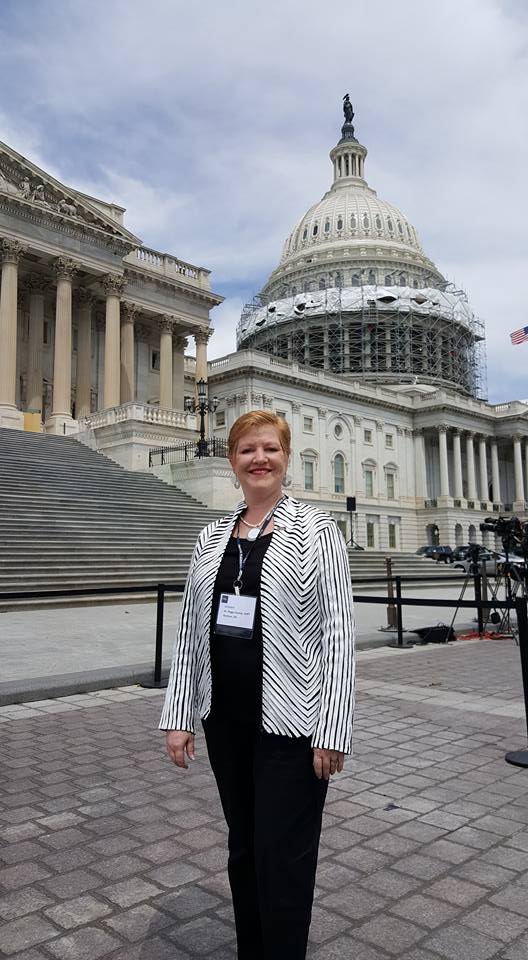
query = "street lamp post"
{"x": 201, "y": 406}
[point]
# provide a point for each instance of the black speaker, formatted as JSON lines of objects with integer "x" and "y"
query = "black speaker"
{"x": 351, "y": 504}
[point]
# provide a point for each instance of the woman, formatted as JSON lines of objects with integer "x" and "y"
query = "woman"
{"x": 265, "y": 655}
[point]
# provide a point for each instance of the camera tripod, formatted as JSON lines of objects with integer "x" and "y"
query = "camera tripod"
{"x": 473, "y": 570}
{"x": 513, "y": 582}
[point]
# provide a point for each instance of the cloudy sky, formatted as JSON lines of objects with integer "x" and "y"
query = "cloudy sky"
{"x": 212, "y": 122}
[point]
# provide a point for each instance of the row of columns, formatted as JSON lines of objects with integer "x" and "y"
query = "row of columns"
{"x": 483, "y": 467}
{"x": 119, "y": 342}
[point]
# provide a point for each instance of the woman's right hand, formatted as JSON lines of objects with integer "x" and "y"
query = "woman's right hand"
{"x": 178, "y": 743}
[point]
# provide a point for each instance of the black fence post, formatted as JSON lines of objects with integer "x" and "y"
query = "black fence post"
{"x": 519, "y": 758}
{"x": 399, "y": 643}
{"x": 478, "y": 602}
{"x": 158, "y": 656}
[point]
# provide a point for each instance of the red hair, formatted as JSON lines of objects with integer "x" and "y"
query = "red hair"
{"x": 255, "y": 419}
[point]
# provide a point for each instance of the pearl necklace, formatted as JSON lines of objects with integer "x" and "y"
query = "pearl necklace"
{"x": 254, "y": 528}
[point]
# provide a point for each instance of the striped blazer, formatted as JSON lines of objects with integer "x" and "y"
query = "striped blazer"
{"x": 307, "y": 630}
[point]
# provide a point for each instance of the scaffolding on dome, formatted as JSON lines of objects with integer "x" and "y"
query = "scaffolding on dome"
{"x": 378, "y": 334}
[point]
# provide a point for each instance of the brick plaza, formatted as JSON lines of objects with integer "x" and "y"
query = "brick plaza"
{"x": 108, "y": 851}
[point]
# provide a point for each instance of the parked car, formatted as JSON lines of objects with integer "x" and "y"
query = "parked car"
{"x": 486, "y": 561}
{"x": 461, "y": 552}
{"x": 436, "y": 552}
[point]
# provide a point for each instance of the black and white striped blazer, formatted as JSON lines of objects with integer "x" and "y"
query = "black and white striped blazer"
{"x": 307, "y": 629}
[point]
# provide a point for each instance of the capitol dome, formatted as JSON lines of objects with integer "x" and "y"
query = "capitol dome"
{"x": 402, "y": 320}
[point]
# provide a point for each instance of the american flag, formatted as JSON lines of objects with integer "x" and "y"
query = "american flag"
{"x": 519, "y": 336}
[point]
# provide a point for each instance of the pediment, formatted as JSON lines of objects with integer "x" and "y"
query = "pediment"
{"x": 27, "y": 184}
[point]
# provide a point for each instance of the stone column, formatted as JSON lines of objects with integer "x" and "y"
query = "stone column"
{"x": 457, "y": 465}
{"x": 201, "y": 340}
{"x": 61, "y": 416}
{"x": 37, "y": 285}
{"x": 129, "y": 315}
{"x": 166, "y": 326}
{"x": 518, "y": 469}
{"x": 179, "y": 346}
{"x": 444, "y": 471}
{"x": 471, "y": 479}
{"x": 421, "y": 474}
{"x": 113, "y": 286}
{"x": 495, "y": 474}
{"x": 483, "y": 469}
{"x": 9, "y": 415}
{"x": 83, "y": 388}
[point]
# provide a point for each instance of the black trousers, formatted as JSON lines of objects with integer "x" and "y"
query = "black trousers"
{"x": 273, "y": 804}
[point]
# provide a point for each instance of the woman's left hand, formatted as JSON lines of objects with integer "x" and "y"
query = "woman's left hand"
{"x": 327, "y": 762}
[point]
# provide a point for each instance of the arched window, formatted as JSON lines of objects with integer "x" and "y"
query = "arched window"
{"x": 340, "y": 223}
{"x": 366, "y": 221}
{"x": 338, "y": 278}
{"x": 390, "y": 225}
{"x": 305, "y": 233}
{"x": 400, "y": 228}
{"x": 315, "y": 230}
{"x": 415, "y": 283}
{"x": 472, "y": 533}
{"x": 409, "y": 234}
{"x": 322, "y": 283}
{"x": 458, "y": 535}
{"x": 372, "y": 277}
{"x": 339, "y": 473}
{"x": 402, "y": 280}
{"x": 327, "y": 227}
{"x": 388, "y": 280}
{"x": 356, "y": 280}
{"x": 378, "y": 222}
{"x": 353, "y": 221}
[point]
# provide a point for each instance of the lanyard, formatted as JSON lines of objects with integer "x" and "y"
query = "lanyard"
{"x": 242, "y": 560}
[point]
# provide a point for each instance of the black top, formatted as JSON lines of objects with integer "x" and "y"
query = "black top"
{"x": 236, "y": 662}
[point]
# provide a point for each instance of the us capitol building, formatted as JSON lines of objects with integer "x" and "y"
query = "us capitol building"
{"x": 374, "y": 359}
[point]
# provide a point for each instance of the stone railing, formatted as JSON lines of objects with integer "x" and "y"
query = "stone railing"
{"x": 136, "y": 410}
{"x": 169, "y": 266}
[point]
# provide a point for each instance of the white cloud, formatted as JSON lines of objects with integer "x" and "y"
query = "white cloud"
{"x": 213, "y": 126}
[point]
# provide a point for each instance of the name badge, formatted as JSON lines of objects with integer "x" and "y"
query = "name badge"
{"x": 236, "y": 615}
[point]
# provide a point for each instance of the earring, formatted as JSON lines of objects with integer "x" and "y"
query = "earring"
{"x": 236, "y": 482}
{"x": 287, "y": 482}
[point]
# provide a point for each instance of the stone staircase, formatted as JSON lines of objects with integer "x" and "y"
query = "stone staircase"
{"x": 371, "y": 563}
{"x": 70, "y": 518}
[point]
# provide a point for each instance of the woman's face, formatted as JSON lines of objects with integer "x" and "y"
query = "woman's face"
{"x": 259, "y": 462}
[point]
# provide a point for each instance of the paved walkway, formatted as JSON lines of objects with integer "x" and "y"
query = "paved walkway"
{"x": 106, "y": 850}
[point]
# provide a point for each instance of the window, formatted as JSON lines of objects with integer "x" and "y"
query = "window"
{"x": 403, "y": 280}
{"x": 155, "y": 360}
{"x": 339, "y": 473}
{"x": 340, "y": 223}
{"x": 338, "y": 430}
{"x": 308, "y": 424}
{"x": 315, "y": 230}
{"x": 353, "y": 221}
{"x": 389, "y": 440}
{"x": 400, "y": 228}
{"x": 388, "y": 279}
{"x": 390, "y": 486}
{"x": 355, "y": 280}
{"x": 378, "y": 222}
{"x": 308, "y": 475}
{"x": 220, "y": 418}
{"x": 369, "y": 483}
{"x": 372, "y": 277}
{"x": 305, "y": 233}
{"x": 367, "y": 436}
{"x": 392, "y": 536}
{"x": 327, "y": 226}
{"x": 366, "y": 221}
{"x": 322, "y": 283}
{"x": 390, "y": 224}
{"x": 370, "y": 533}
